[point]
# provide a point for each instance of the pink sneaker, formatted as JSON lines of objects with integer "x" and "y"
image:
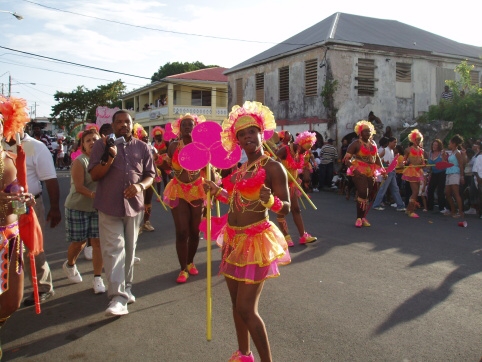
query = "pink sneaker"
{"x": 413, "y": 215}
{"x": 239, "y": 357}
{"x": 358, "y": 223}
{"x": 307, "y": 238}
{"x": 191, "y": 269}
{"x": 289, "y": 241}
{"x": 365, "y": 222}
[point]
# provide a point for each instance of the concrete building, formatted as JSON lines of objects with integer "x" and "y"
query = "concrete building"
{"x": 393, "y": 69}
{"x": 198, "y": 92}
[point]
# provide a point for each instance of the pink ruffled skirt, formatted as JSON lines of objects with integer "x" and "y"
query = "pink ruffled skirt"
{"x": 251, "y": 254}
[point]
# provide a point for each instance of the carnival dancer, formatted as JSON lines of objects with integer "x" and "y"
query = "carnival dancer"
{"x": 292, "y": 157}
{"x": 13, "y": 118}
{"x": 414, "y": 159}
{"x": 162, "y": 165}
{"x": 364, "y": 165}
{"x": 252, "y": 246}
{"x": 184, "y": 194}
{"x": 140, "y": 133}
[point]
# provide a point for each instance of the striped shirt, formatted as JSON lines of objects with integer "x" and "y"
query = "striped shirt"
{"x": 328, "y": 154}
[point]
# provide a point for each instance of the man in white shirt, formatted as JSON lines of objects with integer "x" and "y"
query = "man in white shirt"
{"x": 391, "y": 181}
{"x": 40, "y": 167}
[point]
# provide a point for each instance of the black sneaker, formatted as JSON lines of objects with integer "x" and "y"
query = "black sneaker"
{"x": 42, "y": 296}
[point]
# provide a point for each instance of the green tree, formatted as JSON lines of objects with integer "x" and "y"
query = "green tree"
{"x": 177, "y": 68}
{"x": 80, "y": 104}
{"x": 465, "y": 109}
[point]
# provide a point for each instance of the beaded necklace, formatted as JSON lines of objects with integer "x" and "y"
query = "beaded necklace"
{"x": 255, "y": 179}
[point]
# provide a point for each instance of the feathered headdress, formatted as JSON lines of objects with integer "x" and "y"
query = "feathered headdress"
{"x": 361, "y": 125}
{"x": 250, "y": 114}
{"x": 14, "y": 115}
{"x": 138, "y": 131}
{"x": 157, "y": 131}
{"x": 415, "y": 135}
{"x": 176, "y": 125}
{"x": 79, "y": 135}
{"x": 306, "y": 138}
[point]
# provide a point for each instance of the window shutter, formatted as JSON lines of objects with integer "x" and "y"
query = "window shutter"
{"x": 284, "y": 84}
{"x": 260, "y": 87}
{"x": 311, "y": 78}
{"x": 366, "y": 77}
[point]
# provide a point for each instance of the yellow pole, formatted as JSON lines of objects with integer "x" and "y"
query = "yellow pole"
{"x": 159, "y": 198}
{"x": 292, "y": 179}
{"x": 208, "y": 249}
{"x": 218, "y": 211}
{"x": 302, "y": 203}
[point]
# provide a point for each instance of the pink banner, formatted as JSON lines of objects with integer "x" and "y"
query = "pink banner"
{"x": 104, "y": 114}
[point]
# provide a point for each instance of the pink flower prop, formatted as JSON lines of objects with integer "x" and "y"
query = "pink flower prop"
{"x": 206, "y": 147}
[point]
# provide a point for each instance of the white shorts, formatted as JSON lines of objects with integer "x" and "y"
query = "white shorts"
{"x": 452, "y": 179}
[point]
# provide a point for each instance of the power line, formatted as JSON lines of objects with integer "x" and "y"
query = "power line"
{"x": 58, "y": 71}
{"x": 76, "y": 64}
{"x": 156, "y": 29}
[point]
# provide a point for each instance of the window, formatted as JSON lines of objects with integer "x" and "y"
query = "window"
{"x": 404, "y": 72}
{"x": 201, "y": 98}
{"x": 239, "y": 91}
{"x": 311, "y": 78}
{"x": 474, "y": 78}
{"x": 260, "y": 87}
{"x": 366, "y": 77}
{"x": 284, "y": 84}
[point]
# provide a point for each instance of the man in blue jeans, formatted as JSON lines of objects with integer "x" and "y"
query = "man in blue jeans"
{"x": 390, "y": 182}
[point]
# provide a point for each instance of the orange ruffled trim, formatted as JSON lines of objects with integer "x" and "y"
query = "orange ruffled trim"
{"x": 189, "y": 192}
{"x": 367, "y": 169}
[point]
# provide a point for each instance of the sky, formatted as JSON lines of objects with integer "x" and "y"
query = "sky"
{"x": 137, "y": 37}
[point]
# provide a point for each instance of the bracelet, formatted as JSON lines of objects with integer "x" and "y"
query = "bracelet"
{"x": 269, "y": 203}
{"x": 223, "y": 196}
{"x": 274, "y": 204}
{"x": 278, "y": 205}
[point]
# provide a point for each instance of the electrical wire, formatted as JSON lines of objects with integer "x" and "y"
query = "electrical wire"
{"x": 76, "y": 64}
{"x": 156, "y": 29}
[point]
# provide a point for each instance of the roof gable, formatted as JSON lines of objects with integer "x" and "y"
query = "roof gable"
{"x": 341, "y": 27}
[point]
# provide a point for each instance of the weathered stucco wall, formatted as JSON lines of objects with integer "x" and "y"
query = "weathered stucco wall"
{"x": 395, "y": 103}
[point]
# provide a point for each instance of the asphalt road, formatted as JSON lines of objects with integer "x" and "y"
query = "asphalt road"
{"x": 402, "y": 290}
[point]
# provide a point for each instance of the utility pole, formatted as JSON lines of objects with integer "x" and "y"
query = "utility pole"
{"x": 9, "y": 85}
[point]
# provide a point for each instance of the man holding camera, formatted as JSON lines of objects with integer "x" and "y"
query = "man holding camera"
{"x": 123, "y": 167}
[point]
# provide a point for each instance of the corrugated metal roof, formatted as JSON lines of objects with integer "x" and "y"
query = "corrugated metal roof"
{"x": 366, "y": 31}
{"x": 208, "y": 74}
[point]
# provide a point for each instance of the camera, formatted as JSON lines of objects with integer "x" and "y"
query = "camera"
{"x": 110, "y": 141}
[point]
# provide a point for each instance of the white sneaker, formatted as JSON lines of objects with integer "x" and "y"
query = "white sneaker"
{"x": 131, "y": 298}
{"x": 116, "y": 308}
{"x": 315, "y": 190}
{"x": 147, "y": 226}
{"x": 394, "y": 204}
{"x": 137, "y": 260}
{"x": 446, "y": 212}
{"x": 72, "y": 273}
{"x": 98, "y": 285}
{"x": 471, "y": 211}
{"x": 88, "y": 252}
